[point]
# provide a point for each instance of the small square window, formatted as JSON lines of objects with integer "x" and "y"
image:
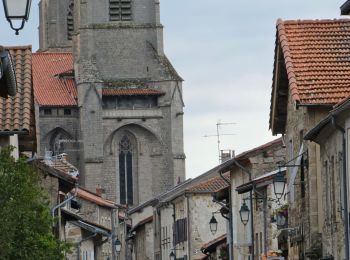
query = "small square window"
{"x": 47, "y": 111}
{"x": 67, "y": 112}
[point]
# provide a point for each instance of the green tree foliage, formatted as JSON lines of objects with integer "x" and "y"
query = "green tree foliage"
{"x": 25, "y": 220}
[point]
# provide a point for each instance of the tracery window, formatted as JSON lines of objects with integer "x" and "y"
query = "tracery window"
{"x": 120, "y": 10}
{"x": 125, "y": 171}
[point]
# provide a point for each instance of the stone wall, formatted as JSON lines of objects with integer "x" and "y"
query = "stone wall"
{"x": 305, "y": 215}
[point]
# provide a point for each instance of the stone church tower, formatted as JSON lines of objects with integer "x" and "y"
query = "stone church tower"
{"x": 129, "y": 97}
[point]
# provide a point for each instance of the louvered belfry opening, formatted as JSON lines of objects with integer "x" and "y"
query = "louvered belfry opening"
{"x": 120, "y": 10}
{"x": 70, "y": 20}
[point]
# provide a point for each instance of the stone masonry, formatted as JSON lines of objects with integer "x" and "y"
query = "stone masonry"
{"x": 119, "y": 55}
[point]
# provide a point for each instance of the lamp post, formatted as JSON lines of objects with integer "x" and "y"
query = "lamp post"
{"x": 172, "y": 255}
{"x": 279, "y": 185}
{"x": 17, "y": 13}
{"x": 213, "y": 224}
{"x": 244, "y": 213}
{"x": 118, "y": 246}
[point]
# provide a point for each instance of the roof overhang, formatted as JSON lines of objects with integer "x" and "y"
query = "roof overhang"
{"x": 324, "y": 126}
{"x": 142, "y": 223}
{"x": 345, "y": 8}
{"x": 261, "y": 181}
{"x": 212, "y": 245}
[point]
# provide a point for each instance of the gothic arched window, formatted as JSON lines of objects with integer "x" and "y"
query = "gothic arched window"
{"x": 125, "y": 171}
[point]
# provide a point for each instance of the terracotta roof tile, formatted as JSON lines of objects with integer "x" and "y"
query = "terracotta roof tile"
{"x": 52, "y": 87}
{"x": 211, "y": 185}
{"x": 130, "y": 92}
{"x": 94, "y": 198}
{"x": 16, "y": 112}
{"x": 317, "y": 58}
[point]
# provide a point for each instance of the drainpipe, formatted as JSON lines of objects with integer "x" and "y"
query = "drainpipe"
{"x": 251, "y": 206}
{"x": 113, "y": 214}
{"x": 189, "y": 232}
{"x": 345, "y": 188}
{"x": 64, "y": 202}
{"x": 230, "y": 221}
{"x": 174, "y": 228}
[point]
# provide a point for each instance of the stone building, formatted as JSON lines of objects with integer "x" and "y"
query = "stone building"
{"x": 332, "y": 134}
{"x": 153, "y": 232}
{"x": 244, "y": 169}
{"x": 309, "y": 78}
{"x": 107, "y": 95}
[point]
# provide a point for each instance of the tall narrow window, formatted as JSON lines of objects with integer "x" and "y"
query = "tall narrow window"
{"x": 125, "y": 171}
{"x": 70, "y": 20}
{"x": 120, "y": 10}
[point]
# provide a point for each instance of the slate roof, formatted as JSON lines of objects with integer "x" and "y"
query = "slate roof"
{"x": 53, "y": 84}
{"x": 317, "y": 58}
{"x": 131, "y": 92}
{"x": 16, "y": 113}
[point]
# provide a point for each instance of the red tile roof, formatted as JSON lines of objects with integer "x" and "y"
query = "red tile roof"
{"x": 51, "y": 87}
{"x": 16, "y": 113}
{"x": 317, "y": 58}
{"x": 94, "y": 198}
{"x": 211, "y": 185}
{"x": 130, "y": 92}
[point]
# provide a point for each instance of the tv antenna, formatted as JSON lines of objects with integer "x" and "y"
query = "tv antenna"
{"x": 218, "y": 134}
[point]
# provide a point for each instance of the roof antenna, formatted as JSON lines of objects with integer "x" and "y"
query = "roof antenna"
{"x": 218, "y": 134}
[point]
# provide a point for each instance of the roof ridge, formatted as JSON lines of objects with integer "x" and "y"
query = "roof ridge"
{"x": 283, "y": 41}
{"x": 19, "y": 47}
{"x": 55, "y": 53}
{"x": 313, "y": 21}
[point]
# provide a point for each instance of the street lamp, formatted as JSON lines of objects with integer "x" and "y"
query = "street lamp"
{"x": 17, "y": 11}
{"x": 213, "y": 224}
{"x": 172, "y": 255}
{"x": 244, "y": 213}
{"x": 118, "y": 246}
{"x": 279, "y": 185}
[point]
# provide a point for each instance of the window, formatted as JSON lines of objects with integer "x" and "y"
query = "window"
{"x": 47, "y": 112}
{"x": 125, "y": 171}
{"x": 120, "y": 10}
{"x": 67, "y": 112}
{"x": 180, "y": 230}
{"x": 70, "y": 20}
{"x": 129, "y": 102}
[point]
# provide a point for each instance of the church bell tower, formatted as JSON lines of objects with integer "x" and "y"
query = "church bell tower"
{"x": 129, "y": 96}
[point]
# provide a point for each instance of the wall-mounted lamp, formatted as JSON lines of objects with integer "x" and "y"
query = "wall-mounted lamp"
{"x": 17, "y": 13}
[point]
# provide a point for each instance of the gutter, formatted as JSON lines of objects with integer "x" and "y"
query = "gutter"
{"x": 345, "y": 188}
{"x": 64, "y": 202}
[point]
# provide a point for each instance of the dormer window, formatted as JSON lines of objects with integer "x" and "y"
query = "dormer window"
{"x": 120, "y": 10}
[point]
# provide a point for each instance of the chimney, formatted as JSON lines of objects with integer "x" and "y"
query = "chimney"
{"x": 227, "y": 155}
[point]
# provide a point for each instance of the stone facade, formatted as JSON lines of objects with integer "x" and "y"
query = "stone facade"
{"x": 110, "y": 54}
{"x": 304, "y": 209}
{"x": 330, "y": 137}
{"x": 258, "y": 161}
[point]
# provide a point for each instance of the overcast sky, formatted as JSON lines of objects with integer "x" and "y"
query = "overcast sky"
{"x": 224, "y": 51}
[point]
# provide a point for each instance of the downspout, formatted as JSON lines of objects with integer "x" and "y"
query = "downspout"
{"x": 230, "y": 221}
{"x": 174, "y": 228}
{"x": 251, "y": 207}
{"x": 345, "y": 188}
{"x": 65, "y": 201}
{"x": 188, "y": 228}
